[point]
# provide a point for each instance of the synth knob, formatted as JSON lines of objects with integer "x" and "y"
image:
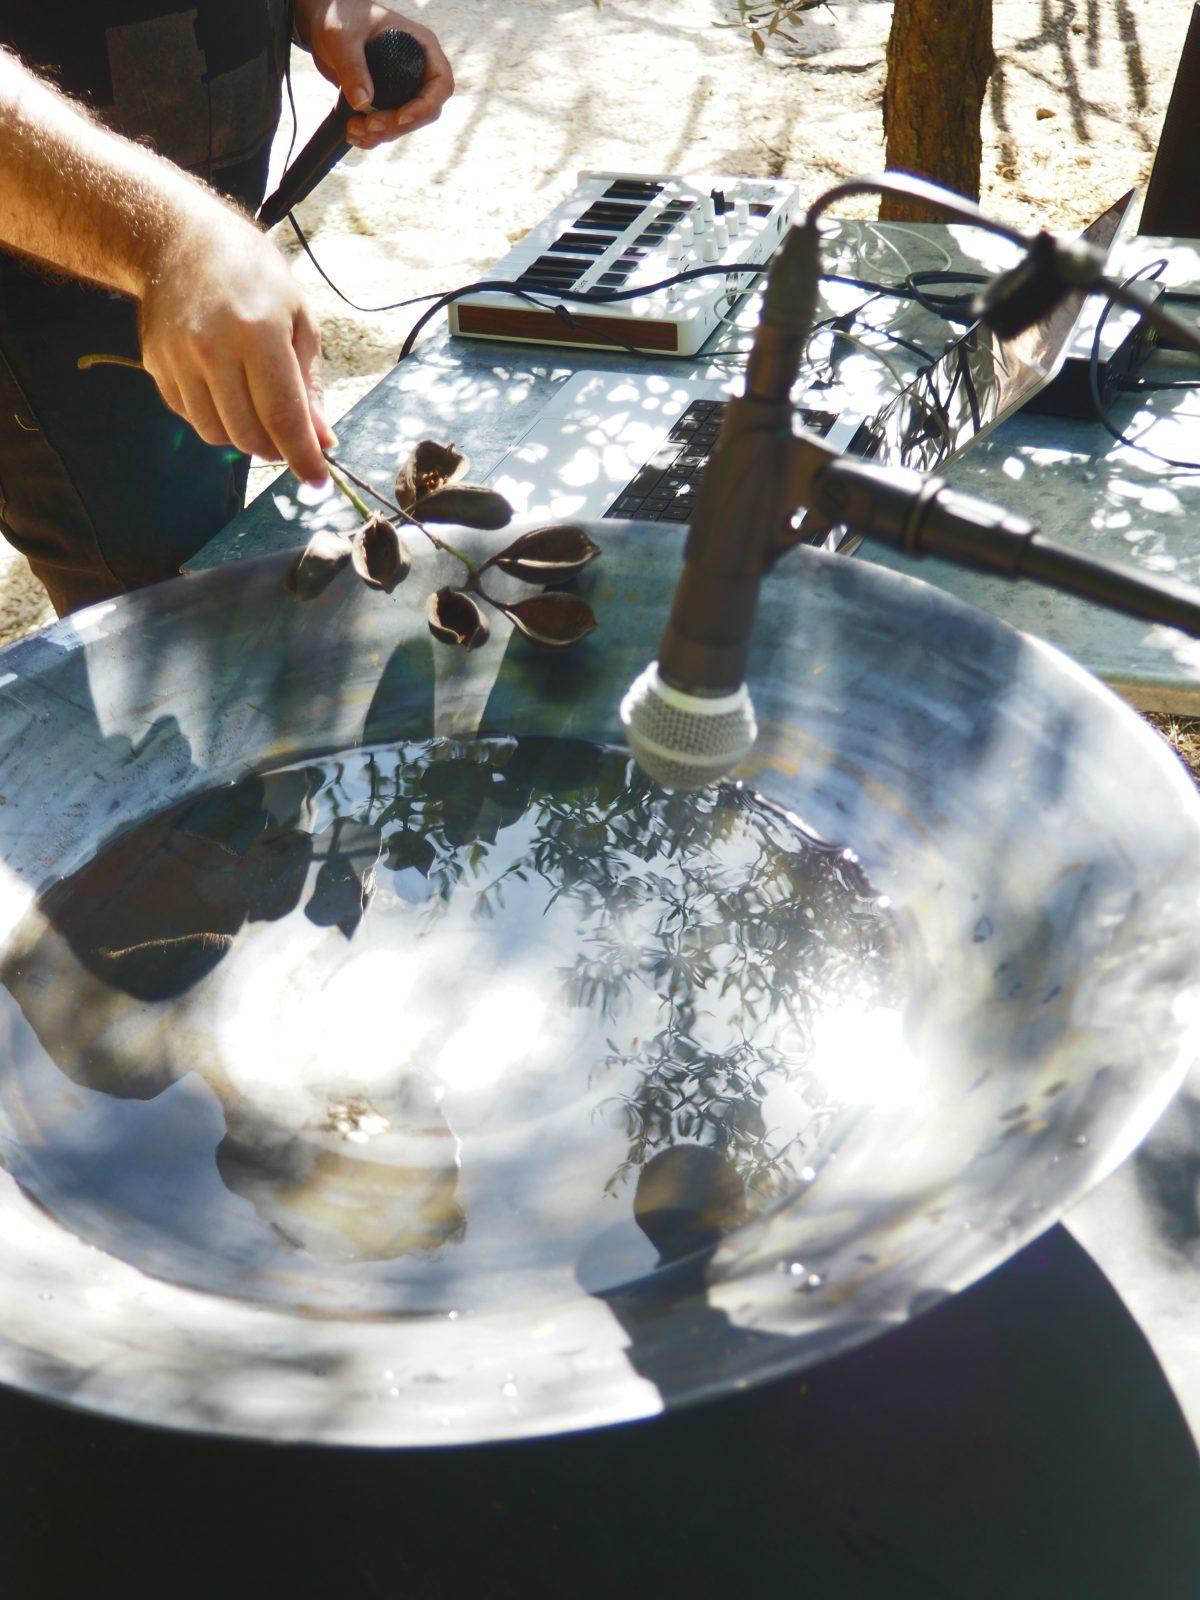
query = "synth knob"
{"x": 674, "y": 247}
{"x": 707, "y": 211}
{"x": 721, "y": 234}
{"x": 708, "y": 248}
{"x": 686, "y": 230}
{"x": 741, "y": 210}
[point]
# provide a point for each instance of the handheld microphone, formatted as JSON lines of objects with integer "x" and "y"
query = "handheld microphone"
{"x": 688, "y": 717}
{"x": 397, "y": 66}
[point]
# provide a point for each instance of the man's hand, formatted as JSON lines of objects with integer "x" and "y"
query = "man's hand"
{"x": 226, "y": 335}
{"x": 336, "y": 32}
{"x": 229, "y": 341}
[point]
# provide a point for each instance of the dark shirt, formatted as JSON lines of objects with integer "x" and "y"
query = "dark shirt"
{"x": 198, "y": 80}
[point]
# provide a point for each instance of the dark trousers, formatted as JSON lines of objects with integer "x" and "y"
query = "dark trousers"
{"x": 101, "y": 486}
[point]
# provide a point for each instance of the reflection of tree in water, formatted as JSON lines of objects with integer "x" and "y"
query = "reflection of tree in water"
{"x": 717, "y": 904}
{"x": 681, "y": 947}
{"x": 744, "y": 946}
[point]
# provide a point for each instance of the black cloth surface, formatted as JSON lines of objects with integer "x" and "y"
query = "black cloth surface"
{"x": 199, "y": 81}
{"x": 1017, "y": 1442}
{"x": 102, "y": 488}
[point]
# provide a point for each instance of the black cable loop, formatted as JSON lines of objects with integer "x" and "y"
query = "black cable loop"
{"x": 1151, "y": 271}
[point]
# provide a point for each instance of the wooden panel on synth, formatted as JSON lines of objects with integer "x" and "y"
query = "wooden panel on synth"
{"x": 544, "y": 325}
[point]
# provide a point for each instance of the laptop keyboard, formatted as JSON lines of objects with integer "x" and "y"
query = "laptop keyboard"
{"x": 665, "y": 488}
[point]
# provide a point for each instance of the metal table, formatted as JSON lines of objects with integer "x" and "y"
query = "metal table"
{"x": 1069, "y": 477}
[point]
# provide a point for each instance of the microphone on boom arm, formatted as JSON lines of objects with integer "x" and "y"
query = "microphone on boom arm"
{"x": 397, "y": 66}
{"x": 688, "y": 716}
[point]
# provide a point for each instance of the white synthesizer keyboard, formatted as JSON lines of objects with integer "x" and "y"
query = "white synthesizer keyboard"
{"x": 617, "y": 231}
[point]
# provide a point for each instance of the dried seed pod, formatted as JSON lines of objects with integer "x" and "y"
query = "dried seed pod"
{"x": 467, "y": 504}
{"x": 455, "y": 618}
{"x": 547, "y": 555}
{"x": 553, "y": 620}
{"x": 431, "y": 466}
{"x": 380, "y": 554}
{"x": 317, "y": 565}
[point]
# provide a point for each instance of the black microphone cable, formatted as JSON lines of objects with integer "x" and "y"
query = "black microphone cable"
{"x": 613, "y": 296}
{"x": 1150, "y": 272}
{"x": 908, "y": 289}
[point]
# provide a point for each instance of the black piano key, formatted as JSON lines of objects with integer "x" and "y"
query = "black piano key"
{"x": 569, "y": 266}
{"x": 549, "y": 268}
{"x": 631, "y": 189}
{"x": 604, "y": 217}
{"x": 613, "y": 279}
{"x": 535, "y": 280}
{"x": 554, "y": 279}
{"x": 582, "y": 244}
{"x": 559, "y": 266}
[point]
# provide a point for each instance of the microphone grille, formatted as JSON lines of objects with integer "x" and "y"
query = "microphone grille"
{"x": 686, "y": 741}
{"x": 397, "y": 66}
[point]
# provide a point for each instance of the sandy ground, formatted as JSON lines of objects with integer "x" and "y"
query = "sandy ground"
{"x": 548, "y": 88}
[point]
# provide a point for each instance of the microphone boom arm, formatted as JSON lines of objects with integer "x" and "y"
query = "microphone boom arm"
{"x": 926, "y": 516}
{"x": 747, "y": 488}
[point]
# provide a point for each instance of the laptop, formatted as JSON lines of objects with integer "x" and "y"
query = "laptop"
{"x": 635, "y": 445}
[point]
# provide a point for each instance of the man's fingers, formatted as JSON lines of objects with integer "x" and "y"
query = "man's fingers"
{"x": 342, "y": 54}
{"x": 169, "y": 390}
{"x": 381, "y": 127}
{"x": 231, "y": 395}
{"x": 281, "y": 402}
{"x": 378, "y": 127}
{"x": 306, "y": 341}
{"x": 198, "y": 408}
{"x": 439, "y": 75}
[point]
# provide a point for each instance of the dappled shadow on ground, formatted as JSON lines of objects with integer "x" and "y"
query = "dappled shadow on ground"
{"x": 1072, "y": 29}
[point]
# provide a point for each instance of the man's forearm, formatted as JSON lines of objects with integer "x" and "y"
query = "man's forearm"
{"x": 225, "y": 331}
{"x": 78, "y": 197}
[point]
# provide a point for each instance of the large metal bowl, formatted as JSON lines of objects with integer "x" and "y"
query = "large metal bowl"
{"x": 1038, "y": 845}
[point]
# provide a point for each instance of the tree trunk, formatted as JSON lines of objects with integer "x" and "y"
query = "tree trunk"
{"x": 939, "y": 59}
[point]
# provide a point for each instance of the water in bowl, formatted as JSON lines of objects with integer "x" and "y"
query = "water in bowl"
{"x": 433, "y": 1026}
